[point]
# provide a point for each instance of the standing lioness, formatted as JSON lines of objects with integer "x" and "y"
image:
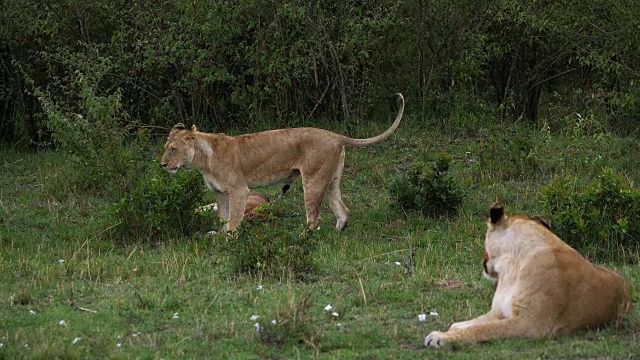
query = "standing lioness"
{"x": 231, "y": 165}
{"x": 545, "y": 287}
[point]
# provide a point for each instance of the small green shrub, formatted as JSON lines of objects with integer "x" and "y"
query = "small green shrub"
{"x": 94, "y": 129}
{"x": 506, "y": 157}
{"x": 602, "y": 220}
{"x": 162, "y": 205}
{"x": 264, "y": 245}
{"x": 428, "y": 188}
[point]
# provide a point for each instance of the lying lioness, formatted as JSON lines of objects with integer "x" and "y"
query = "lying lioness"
{"x": 545, "y": 287}
{"x": 232, "y": 165}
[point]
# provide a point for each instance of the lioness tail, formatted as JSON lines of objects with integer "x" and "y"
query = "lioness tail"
{"x": 351, "y": 142}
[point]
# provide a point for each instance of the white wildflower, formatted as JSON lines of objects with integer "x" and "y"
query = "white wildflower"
{"x": 62, "y": 323}
{"x": 32, "y": 312}
{"x": 257, "y": 326}
{"x": 398, "y": 263}
{"x": 118, "y": 345}
{"x": 433, "y": 313}
{"x": 254, "y": 317}
{"x": 175, "y": 316}
{"x": 75, "y": 341}
{"x": 1, "y": 345}
{"x": 259, "y": 287}
{"x": 328, "y": 308}
{"x": 61, "y": 261}
{"x": 422, "y": 317}
{"x": 335, "y": 314}
{"x": 273, "y": 321}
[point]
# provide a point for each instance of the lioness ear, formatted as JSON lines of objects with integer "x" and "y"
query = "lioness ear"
{"x": 496, "y": 213}
{"x": 193, "y": 128}
{"x": 543, "y": 221}
{"x": 177, "y": 127}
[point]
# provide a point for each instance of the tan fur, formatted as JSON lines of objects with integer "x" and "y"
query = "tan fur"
{"x": 254, "y": 201}
{"x": 545, "y": 287}
{"x": 231, "y": 165}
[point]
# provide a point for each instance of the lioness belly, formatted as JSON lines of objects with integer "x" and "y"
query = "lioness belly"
{"x": 273, "y": 179}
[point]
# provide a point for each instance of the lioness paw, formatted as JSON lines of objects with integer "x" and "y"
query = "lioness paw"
{"x": 435, "y": 339}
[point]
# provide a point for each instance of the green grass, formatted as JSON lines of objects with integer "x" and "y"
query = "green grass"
{"x": 111, "y": 293}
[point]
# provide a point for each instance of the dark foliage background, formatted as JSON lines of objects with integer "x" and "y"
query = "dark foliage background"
{"x": 274, "y": 63}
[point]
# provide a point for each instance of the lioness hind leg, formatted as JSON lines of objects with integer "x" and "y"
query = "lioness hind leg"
{"x": 314, "y": 189}
{"x": 312, "y": 201}
{"x": 335, "y": 197}
{"x": 337, "y": 206}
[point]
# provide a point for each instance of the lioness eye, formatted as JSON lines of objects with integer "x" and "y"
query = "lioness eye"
{"x": 173, "y": 150}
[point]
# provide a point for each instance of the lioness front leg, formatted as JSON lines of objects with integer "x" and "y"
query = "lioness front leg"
{"x": 237, "y": 203}
{"x": 485, "y": 331}
{"x": 490, "y": 316}
{"x": 223, "y": 206}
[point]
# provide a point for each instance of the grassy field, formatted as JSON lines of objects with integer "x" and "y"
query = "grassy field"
{"x": 69, "y": 290}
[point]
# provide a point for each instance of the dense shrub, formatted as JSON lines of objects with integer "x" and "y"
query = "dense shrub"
{"x": 428, "y": 188}
{"x": 601, "y": 220}
{"x": 90, "y": 124}
{"x": 265, "y": 245}
{"x": 230, "y": 63}
{"x": 505, "y": 157}
{"x": 163, "y": 205}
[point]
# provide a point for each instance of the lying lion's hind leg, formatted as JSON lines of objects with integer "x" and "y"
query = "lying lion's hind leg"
{"x": 498, "y": 329}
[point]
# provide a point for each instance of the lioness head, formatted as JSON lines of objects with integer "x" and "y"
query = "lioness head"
{"x": 179, "y": 148}
{"x": 489, "y": 272}
{"x": 498, "y": 220}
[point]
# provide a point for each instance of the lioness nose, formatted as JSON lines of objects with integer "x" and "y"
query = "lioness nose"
{"x": 164, "y": 164}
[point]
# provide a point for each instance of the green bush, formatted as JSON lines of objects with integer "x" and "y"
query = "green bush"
{"x": 428, "y": 188}
{"x": 91, "y": 125}
{"x": 264, "y": 245}
{"x": 162, "y": 205}
{"x": 602, "y": 220}
{"x": 506, "y": 157}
